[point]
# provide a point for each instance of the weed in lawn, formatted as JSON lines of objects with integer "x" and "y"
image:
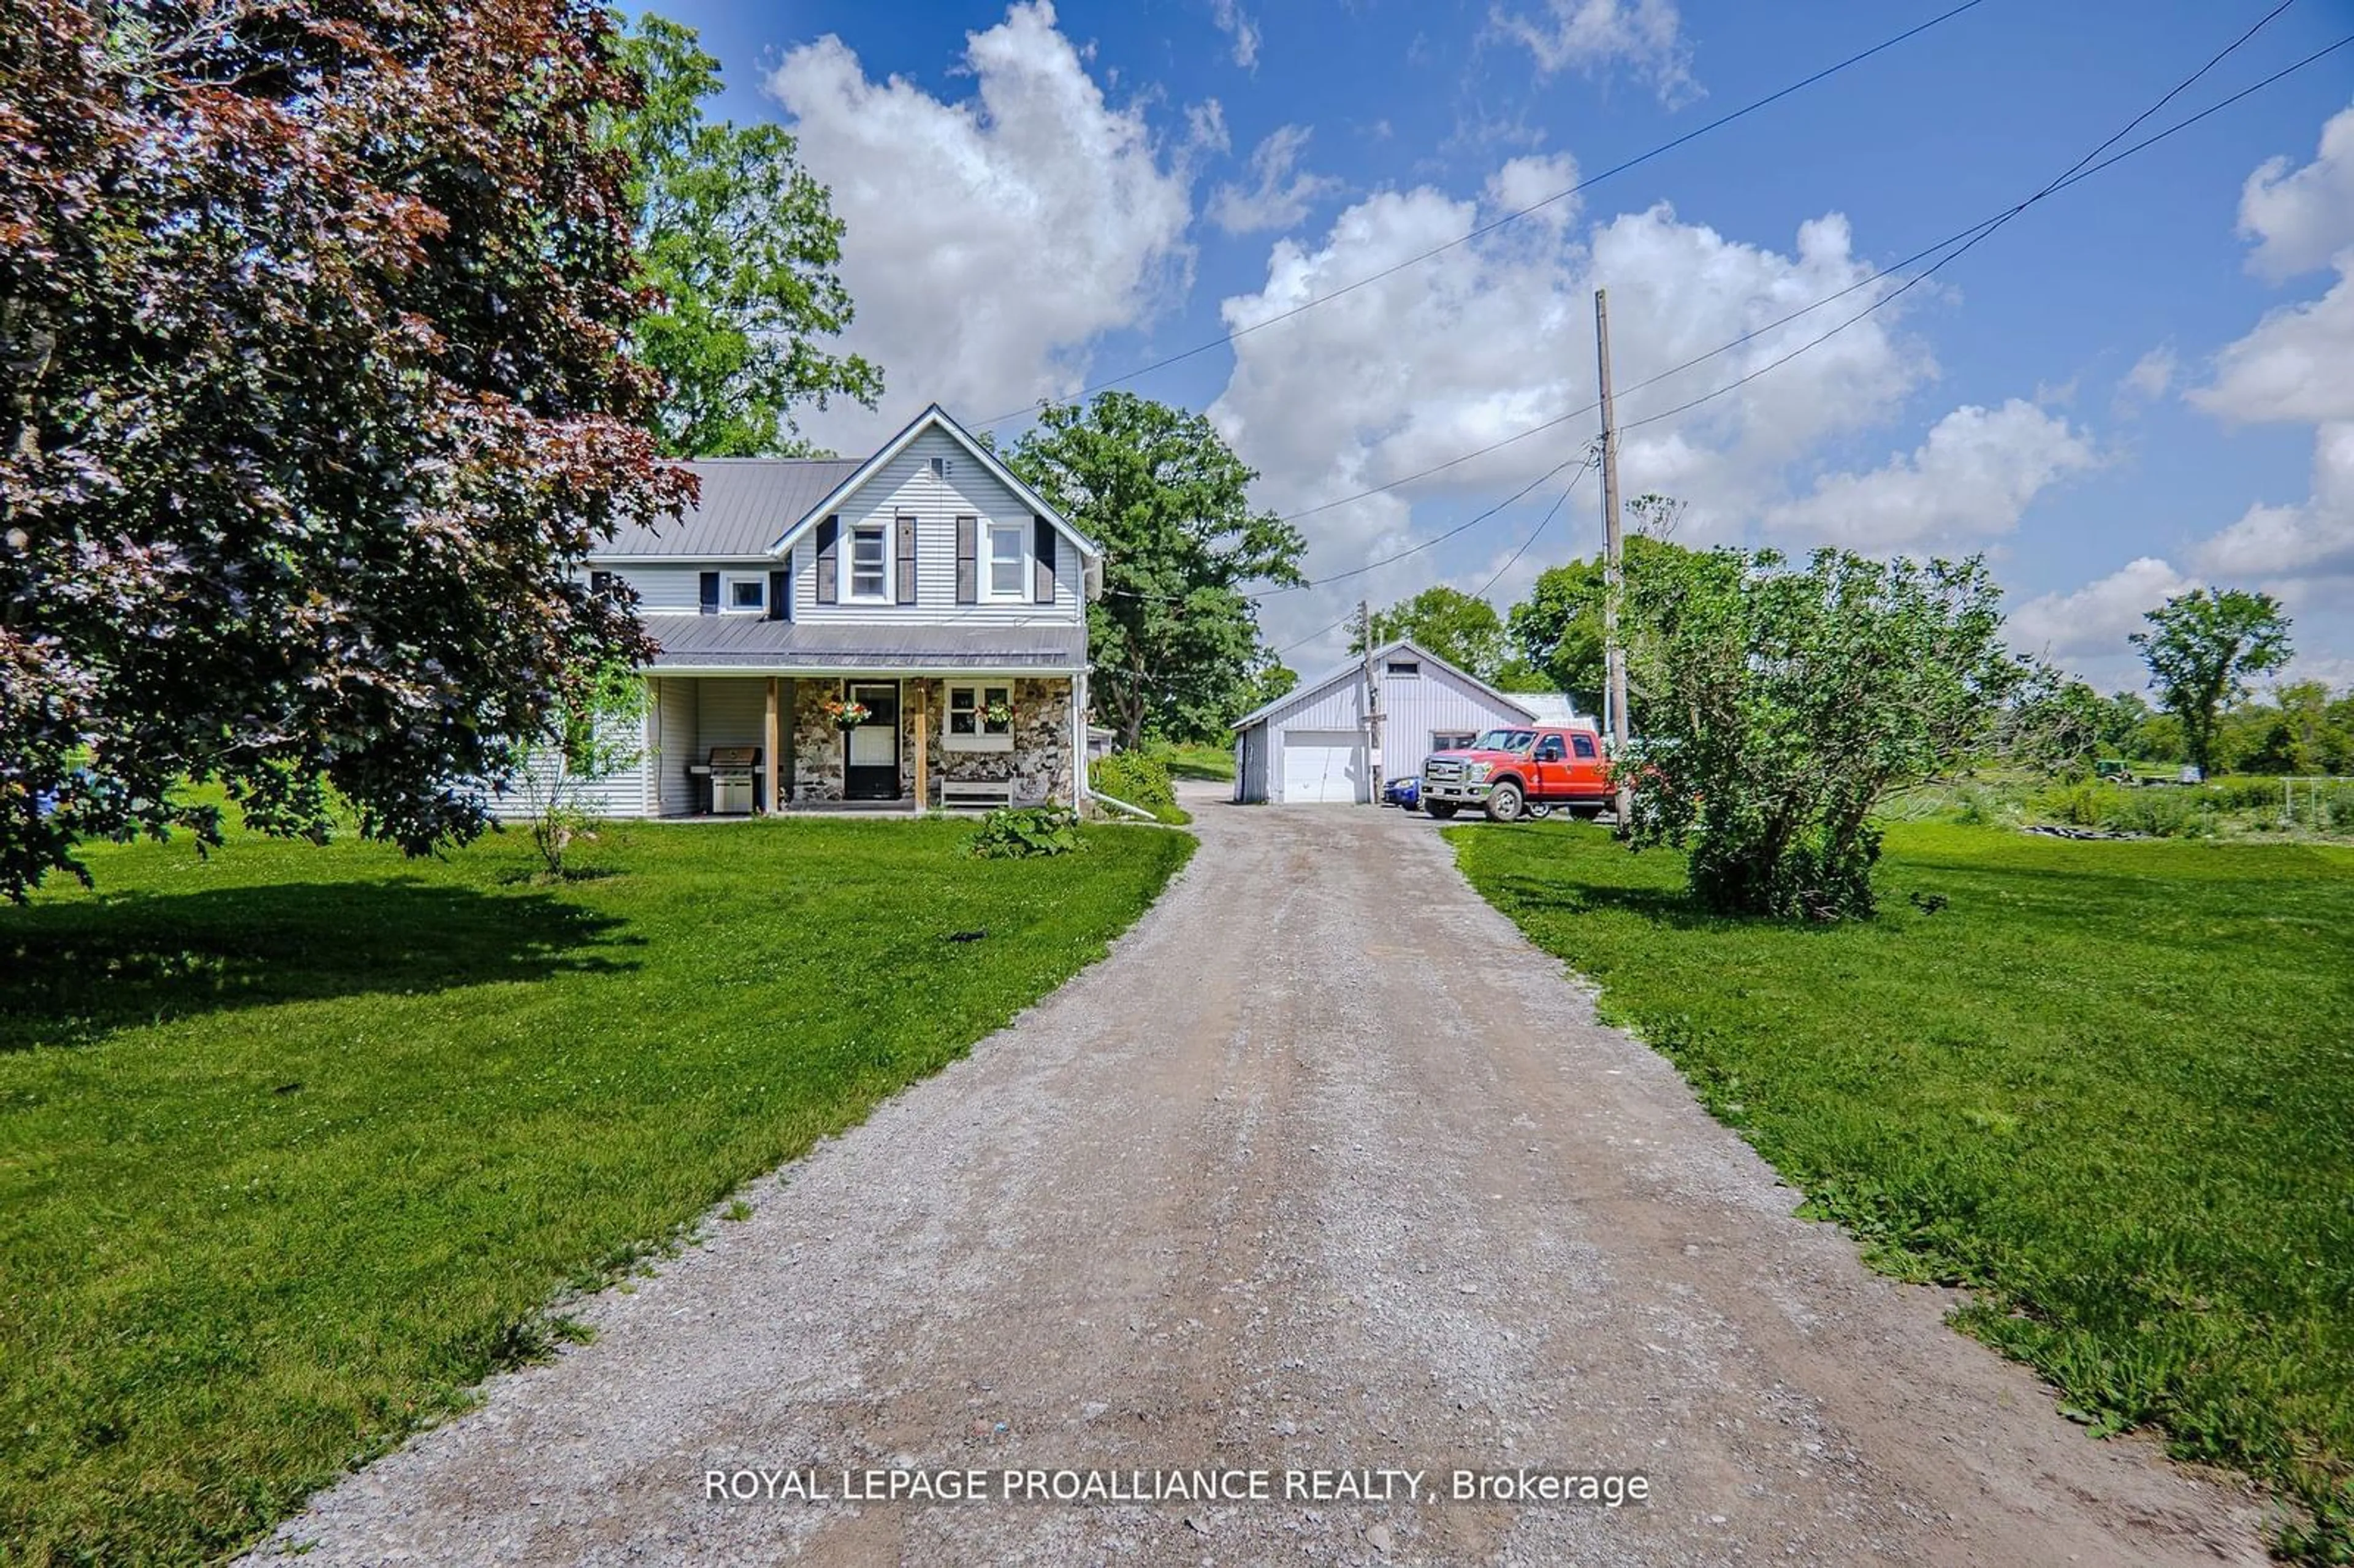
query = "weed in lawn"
{"x": 2109, "y": 1086}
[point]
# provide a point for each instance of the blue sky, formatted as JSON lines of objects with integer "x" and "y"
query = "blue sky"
{"x": 1043, "y": 197}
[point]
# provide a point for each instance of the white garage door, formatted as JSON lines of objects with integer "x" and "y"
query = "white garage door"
{"x": 1323, "y": 765}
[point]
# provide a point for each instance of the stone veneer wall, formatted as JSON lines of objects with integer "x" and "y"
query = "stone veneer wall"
{"x": 817, "y": 744}
{"x": 1039, "y": 763}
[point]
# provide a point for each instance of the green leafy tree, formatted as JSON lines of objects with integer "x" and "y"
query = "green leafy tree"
{"x": 316, "y": 395}
{"x": 2202, "y": 650}
{"x": 1788, "y": 701}
{"x": 743, "y": 245}
{"x": 596, "y": 731}
{"x": 1174, "y": 640}
{"x": 2055, "y": 724}
{"x": 1270, "y": 680}
{"x": 1557, "y": 630}
{"x": 1465, "y": 631}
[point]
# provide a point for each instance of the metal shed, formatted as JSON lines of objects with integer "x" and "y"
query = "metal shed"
{"x": 1308, "y": 747}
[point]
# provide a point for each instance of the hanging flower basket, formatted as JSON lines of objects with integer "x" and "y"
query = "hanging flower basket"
{"x": 847, "y": 714}
{"x": 998, "y": 714}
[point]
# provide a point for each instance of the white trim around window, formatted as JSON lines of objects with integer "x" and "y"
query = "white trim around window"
{"x": 876, "y": 564}
{"x": 970, "y": 727}
{"x": 1005, "y": 562}
{"x": 734, "y": 599}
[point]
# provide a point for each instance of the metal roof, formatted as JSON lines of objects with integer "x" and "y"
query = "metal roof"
{"x": 746, "y": 502}
{"x": 1355, "y": 670}
{"x": 748, "y": 641}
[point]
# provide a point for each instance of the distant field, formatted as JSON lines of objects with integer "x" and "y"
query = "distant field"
{"x": 2109, "y": 1084}
{"x": 297, "y": 1143}
{"x": 1213, "y": 762}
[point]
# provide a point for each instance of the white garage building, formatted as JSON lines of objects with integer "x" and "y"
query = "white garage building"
{"x": 1308, "y": 747}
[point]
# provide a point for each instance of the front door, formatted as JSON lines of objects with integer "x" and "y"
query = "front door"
{"x": 870, "y": 762}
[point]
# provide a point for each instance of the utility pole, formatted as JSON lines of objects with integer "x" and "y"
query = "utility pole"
{"x": 1614, "y": 655}
{"x": 1372, "y": 704}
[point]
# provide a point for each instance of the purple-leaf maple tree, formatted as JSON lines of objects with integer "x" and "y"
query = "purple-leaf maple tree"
{"x": 313, "y": 395}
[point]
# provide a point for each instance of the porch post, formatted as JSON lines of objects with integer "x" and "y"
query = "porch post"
{"x": 772, "y": 743}
{"x": 923, "y": 745}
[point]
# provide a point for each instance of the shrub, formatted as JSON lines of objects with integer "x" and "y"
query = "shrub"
{"x": 1133, "y": 777}
{"x": 1019, "y": 832}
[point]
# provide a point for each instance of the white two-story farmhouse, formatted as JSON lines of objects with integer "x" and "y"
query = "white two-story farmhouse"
{"x": 925, "y": 585}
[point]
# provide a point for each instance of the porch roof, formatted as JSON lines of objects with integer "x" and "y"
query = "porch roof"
{"x": 749, "y": 642}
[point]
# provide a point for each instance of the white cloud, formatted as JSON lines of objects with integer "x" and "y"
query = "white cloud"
{"x": 1522, "y": 183}
{"x": 1969, "y": 481}
{"x": 1646, "y": 35}
{"x": 2152, "y": 374}
{"x": 1229, "y": 18}
{"x": 1496, "y": 336}
{"x": 2085, "y": 630}
{"x": 988, "y": 241}
{"x": 2295, "y": 367}
{"x": 1283, "y": 193}
{"x": 2296, "y": 548}
{"x": 2302, "y": 219}
{"x": 1206, "y": 126}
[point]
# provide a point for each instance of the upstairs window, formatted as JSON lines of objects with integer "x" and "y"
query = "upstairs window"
{"x": 1007, "y": 557}
{"x": 1405, "y": 666}
{"x": 870, "y": 562}
{"x": 749, "y": 594}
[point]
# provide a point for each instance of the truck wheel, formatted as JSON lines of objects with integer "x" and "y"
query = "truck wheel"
{"x": 1504, "y": 802}
{"x": 1442, "y": 809}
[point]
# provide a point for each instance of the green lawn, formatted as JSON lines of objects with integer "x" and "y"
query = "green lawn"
{"x": 2109, "y": 1084}
{"x": 298, "y": 1143}
{"x": 1216, "y": 763}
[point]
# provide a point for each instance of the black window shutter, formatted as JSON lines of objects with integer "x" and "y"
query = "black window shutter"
{"x": 907, "y": 551}
{"x": 780, "y": 585}
{"x": 829, "y": 583}
{"x": 710, "y": 593}
{"x": 968, "y": 551}
{"x": 1043, "y": 532}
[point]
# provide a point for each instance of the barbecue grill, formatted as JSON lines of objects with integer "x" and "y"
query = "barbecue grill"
{"x": 733, "y": 771}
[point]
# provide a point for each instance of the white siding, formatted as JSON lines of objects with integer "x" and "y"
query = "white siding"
{"x": 1411, "y": 708}
{"x": 622, "y": 793}
{"x": 731, "y": 713}
{"x": 1414, "y": 705}
{"x": 906, "y": 485}
{"x": 664, "y": 590}
{"x": 675, "y": 735}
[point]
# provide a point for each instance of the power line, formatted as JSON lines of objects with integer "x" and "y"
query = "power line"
{"x": 1543, "y": 523}
{"x": 1970, "y": 235}
{"x": 1463, "y": 528}
{"x": 1490, "y": 227}
{"x": 2081, "y": 169}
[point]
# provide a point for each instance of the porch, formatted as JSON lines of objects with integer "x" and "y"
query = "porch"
{"x": 918, "y": 742}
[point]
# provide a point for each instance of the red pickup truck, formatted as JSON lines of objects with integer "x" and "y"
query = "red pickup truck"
{"x": 1508, "y": 772}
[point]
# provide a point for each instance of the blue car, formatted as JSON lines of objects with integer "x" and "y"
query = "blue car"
{"x": 1405, "y": 792}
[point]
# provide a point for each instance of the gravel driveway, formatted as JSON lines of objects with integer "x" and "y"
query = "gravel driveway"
{"x": 1323, "y": 1168}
